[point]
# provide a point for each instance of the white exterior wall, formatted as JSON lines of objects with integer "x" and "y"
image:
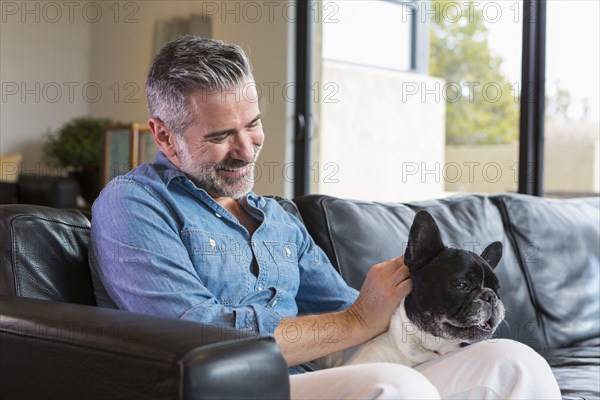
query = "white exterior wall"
{"x": 373, "y": 138}
{"x": 571, "y": 162}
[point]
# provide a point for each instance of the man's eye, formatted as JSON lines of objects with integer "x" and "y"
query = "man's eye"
{"x": 218, "y": 139}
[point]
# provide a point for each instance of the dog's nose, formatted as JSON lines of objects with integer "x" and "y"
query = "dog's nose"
{"x": 489, "y": 296}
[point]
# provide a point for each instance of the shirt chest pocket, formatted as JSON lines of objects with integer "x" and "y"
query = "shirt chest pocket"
{"x": 285, "y": 257}
{"x": 282, "y": 252}
{"x": 222, "y": 263}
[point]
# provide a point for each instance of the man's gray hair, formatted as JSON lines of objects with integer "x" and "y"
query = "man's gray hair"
{"x": 189, "y": 64}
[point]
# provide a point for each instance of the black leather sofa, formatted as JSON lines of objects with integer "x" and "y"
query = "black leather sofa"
{"x": 550, "y": 275}
{"x": 550, "y": 270}
{"x": 55, "y": 344}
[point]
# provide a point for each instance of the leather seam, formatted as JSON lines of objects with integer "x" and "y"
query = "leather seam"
{"x": 14, "y": 257}
{"x": 333, "y": 248}
{"x": 51, "y": 220}
{"x": 532, "y": 294}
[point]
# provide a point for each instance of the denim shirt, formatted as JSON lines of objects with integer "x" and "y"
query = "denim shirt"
{"x": 162, "y": 246}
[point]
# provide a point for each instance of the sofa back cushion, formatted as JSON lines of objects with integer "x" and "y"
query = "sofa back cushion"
{"x": 558, "y": 244}
{"x": 356, "y": 235}
{"x": 44, "y": 254}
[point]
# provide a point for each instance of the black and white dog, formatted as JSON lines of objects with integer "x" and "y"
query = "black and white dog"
{"x": 454, "y": 302}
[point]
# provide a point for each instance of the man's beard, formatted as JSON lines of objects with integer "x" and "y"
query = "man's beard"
{"x": 210, "y": 178}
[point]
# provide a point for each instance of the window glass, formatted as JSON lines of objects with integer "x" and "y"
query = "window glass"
{"x": 571, "y": 126}
{"x": 399, "y": 135}
{"x": 375, "y": 33}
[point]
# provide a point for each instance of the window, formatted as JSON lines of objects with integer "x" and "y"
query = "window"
{"x": 572, "y": 128}
{"x": 370, "y": 33}
{"x": 395, "y": 128}
{"x": 476, "y": 49}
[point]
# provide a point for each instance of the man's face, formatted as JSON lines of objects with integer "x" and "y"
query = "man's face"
{"x": 218, "y": 150}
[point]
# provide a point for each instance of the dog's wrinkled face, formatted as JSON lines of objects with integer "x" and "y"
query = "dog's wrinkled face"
{"x": 455, "y": 292}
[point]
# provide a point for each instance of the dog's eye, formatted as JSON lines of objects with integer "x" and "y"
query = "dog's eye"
{"x": 463, "y": 287}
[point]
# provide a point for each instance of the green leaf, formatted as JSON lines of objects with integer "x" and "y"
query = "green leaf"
{"x": 78, "y": 143}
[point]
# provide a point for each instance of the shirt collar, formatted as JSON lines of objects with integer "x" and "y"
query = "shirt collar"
{"x": 255, "y": 200}
{"x": 168, "y": 170}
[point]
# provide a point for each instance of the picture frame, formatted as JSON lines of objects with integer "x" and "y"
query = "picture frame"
{"x": 124, "y": 148}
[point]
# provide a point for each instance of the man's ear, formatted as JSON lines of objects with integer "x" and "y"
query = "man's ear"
{"x": 424, "y": 242}
{"x": 492, "y": 254}
{"x": 163, "y": 137}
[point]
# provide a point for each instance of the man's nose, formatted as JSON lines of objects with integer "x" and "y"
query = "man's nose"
{"x": 243, "y": 148}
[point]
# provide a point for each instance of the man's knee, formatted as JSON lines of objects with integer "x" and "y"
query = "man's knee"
{"x": 512, "y": 355}
{"x": 364, "y": 381}
{"x": 394, "y": 381}
{"x": 505, "y": 350}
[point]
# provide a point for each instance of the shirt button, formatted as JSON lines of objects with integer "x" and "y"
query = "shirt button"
{"x": 218, "y": 215}
{"x": 260, "y": 288}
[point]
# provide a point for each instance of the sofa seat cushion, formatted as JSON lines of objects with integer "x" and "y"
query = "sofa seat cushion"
{"x": 577, "y": 369}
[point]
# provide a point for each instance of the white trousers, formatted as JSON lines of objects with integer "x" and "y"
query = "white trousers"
{"x": 498, "y": 369}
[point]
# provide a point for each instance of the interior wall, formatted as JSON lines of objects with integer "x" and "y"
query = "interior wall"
{"x": 263, "y": 36}
{"x": 99, "y": 54}
{"x": 44, "y": 74}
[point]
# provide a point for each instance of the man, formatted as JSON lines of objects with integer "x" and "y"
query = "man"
{"x": 185, "y": 237}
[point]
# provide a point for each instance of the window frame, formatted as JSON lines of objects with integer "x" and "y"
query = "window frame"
{"x": 533, "y": 68}
{"x": 533, "y": 82}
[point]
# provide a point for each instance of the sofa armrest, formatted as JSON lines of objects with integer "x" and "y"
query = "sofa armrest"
{"x": 61, "y": 350}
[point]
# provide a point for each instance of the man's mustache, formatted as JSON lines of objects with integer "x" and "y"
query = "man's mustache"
{"x": 231, "y": 163}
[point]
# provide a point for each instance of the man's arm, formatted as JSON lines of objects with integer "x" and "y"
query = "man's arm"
{"x": 138, "y": 257}
{"x": 309, "y": 337}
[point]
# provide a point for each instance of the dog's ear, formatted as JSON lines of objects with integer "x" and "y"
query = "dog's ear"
{"x": 424, "y": 241}
{"x": 492, "y": 254}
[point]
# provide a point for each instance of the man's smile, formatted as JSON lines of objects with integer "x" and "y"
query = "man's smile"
{"x": 235, "y": 172}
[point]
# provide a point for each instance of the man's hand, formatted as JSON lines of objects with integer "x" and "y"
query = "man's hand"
{"x": 382, "y": 292}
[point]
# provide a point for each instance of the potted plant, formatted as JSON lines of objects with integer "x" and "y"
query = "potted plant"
{"x": 77, "y": 146}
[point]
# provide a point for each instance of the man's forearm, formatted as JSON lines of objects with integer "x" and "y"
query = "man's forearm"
{"x": 309, "y": 337}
